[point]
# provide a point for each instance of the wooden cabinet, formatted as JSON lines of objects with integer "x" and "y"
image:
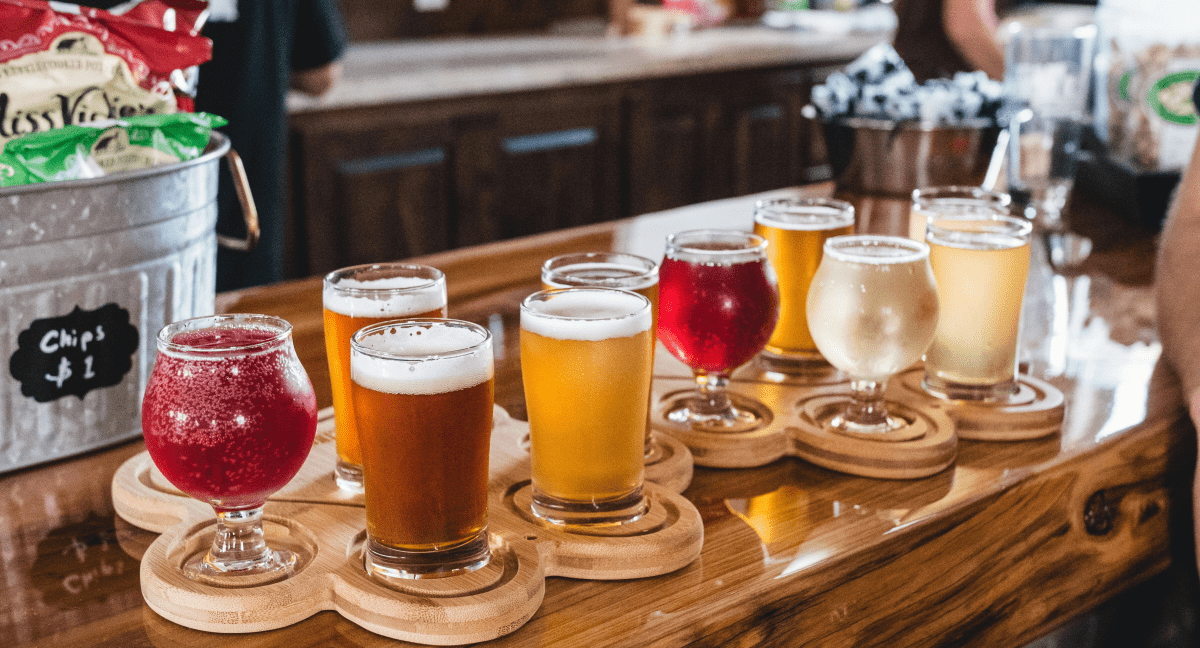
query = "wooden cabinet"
{"x": 389, "y": 182}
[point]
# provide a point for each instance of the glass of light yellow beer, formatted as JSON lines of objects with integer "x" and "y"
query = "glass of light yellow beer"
{"x": 797, "y": 230}
{"x": 952, "y": 199}
{"x": 359, "y": 296}
{"x": 981, "y": 264}
{"x": 872, "y": 310}
{"x": 423, "y": 392}
{"x": 610, "y": 270}
{"x": 586, "y": 365}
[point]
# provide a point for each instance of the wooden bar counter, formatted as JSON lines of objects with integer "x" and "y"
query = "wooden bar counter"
{"x": 1012, "y": 541}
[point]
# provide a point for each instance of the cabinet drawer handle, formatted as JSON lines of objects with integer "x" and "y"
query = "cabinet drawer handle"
{"x": 541, "y": 142}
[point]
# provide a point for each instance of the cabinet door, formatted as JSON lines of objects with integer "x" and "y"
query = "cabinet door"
{"x": 373, "y": 191}
{"x": 766, "y": 134}
{"x": 557, "y": 162}
{"x": 672, "y": 146}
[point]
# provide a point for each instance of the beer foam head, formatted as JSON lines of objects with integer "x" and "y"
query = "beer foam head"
{"x": 804, "y": 214}
{"x": 600, "y": 275}
{"x": 422, "y": 359}
{"x": 388, "y": 297}
{"x": 586, "y": 314}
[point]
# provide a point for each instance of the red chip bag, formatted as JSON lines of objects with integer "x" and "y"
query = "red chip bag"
{"x": 63, "y": 64}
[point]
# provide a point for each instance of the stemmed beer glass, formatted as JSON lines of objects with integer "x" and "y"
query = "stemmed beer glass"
{"x": 229, "y": 417}
{"x": 718, "y": 306}
{"x": 872, "y": 310}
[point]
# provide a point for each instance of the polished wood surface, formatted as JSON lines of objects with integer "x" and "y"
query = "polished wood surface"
{"x": 1011, "y": 541}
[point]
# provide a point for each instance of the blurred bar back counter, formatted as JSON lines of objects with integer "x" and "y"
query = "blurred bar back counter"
{"x": 1012, "y": 541}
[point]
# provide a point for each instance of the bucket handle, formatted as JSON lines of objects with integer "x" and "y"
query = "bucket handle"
{"x": 246, "y": 200}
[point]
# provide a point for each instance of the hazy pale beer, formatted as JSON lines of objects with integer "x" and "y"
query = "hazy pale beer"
{"x": 423, "y": 393}
{"x": 356, "y": 297}
{"x": 952, "y": 199}
{"x": 586, "y": 364}
{"x": 797, "y": 230}
{"x": 610, "y": 270}
{"x": 981, "y": 265}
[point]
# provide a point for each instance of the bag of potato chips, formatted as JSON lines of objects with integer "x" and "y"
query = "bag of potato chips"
{"x": 107, "y": 146}
{"x": 63, "y": 64}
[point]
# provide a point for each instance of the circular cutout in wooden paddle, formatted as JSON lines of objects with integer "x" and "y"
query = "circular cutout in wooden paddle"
{"x": 749, "y": 449}
{"x": 1035, "y": 411}
{"x": 671, "y": 465}
{"x": 926, "y": 446}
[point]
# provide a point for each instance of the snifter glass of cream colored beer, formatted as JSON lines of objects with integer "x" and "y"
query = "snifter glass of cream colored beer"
{"x": 952, "y": 199}
{"x": 610, "y": 270}
{"x": 872, "y": 309}
{"x": 797, "y": 229}
{"x": 586, "y": 363}
{"x": 423, "y": 392}
{"x": 981, "y": 263}
{"x": 356, "y": 297}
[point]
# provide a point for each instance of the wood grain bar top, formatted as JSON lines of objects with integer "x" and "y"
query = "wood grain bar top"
{"x": 1012, "y": 540}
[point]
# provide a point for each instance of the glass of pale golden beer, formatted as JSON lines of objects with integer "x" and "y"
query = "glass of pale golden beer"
{"x": 423, "y": 392}
{"x": 872, "y": 310}
{"x": 952, "y": 199}
{"x": 797, "y": 229}
{"x": 356, "y": 297}
{"x": 586, "y": 363}
{"x": 981, "y": 263}
{"x": 610, "y": 270}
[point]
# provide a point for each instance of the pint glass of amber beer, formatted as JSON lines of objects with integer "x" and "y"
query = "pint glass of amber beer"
{"x": 980, "y": 264}
{"x": 356, "y": 297}
{"x": 423, "y": 392}
{"x": 797, "y": 230}
{"x": 610, "y": 270}
{"x": 586, "y": 364}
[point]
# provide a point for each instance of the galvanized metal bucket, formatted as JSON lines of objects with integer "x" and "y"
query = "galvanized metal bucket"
{"x": 880, "y": 157}
{"x": 90, "y": 270}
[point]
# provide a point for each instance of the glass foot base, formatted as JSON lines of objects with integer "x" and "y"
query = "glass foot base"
{"x": 348, "y": 476}
{"x": 743, "y": 415}
{"x": 997, "y": 394}
{"x": 623, "y": 510}
{"x": 385, "y": 562}
{"x": 274, "y": 565}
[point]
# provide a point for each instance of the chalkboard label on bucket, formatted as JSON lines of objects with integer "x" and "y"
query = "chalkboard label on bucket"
{"x": 74, "y": 353}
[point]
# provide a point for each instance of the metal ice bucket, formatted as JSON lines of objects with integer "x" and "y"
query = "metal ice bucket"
{"x": 891, "y": 158}
{"x": 90, "y": 270}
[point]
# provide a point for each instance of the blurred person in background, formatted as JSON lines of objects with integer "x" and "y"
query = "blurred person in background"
{"x": 937, "y": 38}
{"x": 261, "y": 48}
{"x": 1177, "y": 290}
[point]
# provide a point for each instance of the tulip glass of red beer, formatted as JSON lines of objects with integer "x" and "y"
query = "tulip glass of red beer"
{"x": 718, "y": 306}
{"x": 229, "y": 417}
{"x": 423, "y": 392}
{"x": 356, "y": 297}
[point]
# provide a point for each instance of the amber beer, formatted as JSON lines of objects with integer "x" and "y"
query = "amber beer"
{"x": 796, "y": 230}
{"x": 423, "y": 393}
{"x": 357, "y": 297}
{"x": 611, "y": 270}
{"x": 586, "y": 363}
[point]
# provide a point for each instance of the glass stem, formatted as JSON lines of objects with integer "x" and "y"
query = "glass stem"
{"x": 240, "y": 543}
{"x": 714, "y": 399}
{"x": 867, "y": 406}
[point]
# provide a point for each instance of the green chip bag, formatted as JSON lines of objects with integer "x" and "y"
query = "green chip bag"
{"x": 104, "y": 147}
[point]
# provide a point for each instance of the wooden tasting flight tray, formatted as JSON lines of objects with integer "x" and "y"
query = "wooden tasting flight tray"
{"x": 927, "y": 446}
{"x": 327, "y": 525}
